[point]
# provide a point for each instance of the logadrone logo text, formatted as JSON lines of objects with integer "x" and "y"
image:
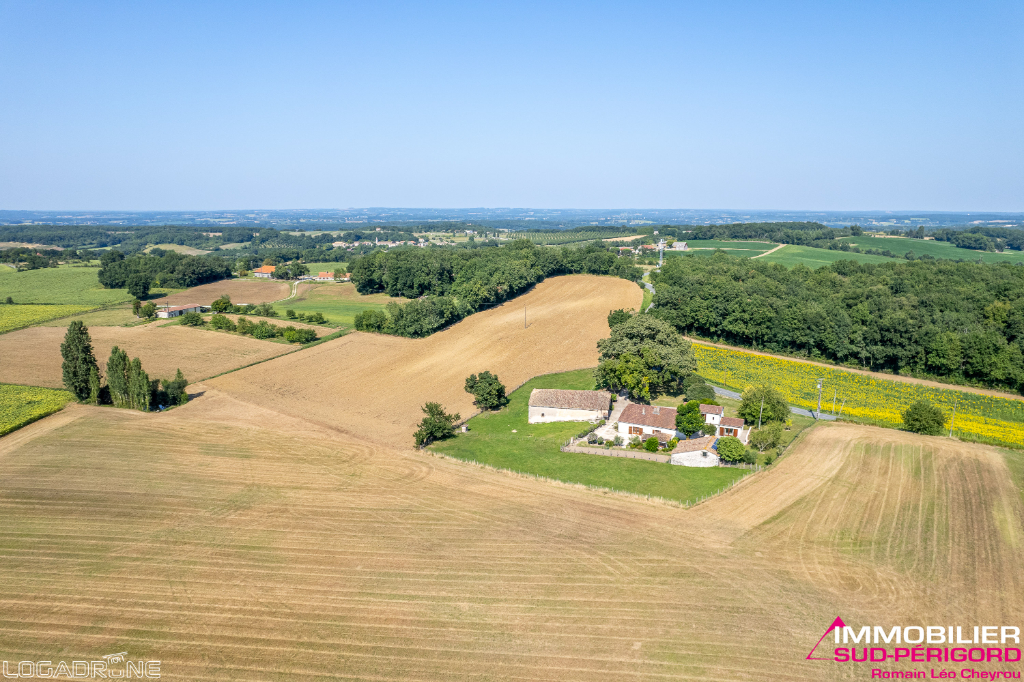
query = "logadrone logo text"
{"x": 113, "y": 666}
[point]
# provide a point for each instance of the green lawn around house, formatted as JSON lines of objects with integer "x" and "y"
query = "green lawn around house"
{"x": 534, "y": 449}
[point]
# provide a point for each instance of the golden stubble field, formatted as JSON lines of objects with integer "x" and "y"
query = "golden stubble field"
{"x": 372, "y": 385}
{"x": 230, "y": 541}
{"x": 235, "y": 539}
{"x": 32, "y": 356}
{"x": 240, "y": 291}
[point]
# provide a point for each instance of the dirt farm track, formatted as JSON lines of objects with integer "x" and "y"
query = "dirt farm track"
{"x": 253, "y": 535}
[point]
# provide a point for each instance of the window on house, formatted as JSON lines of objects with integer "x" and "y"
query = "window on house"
{"x": 636, "y": 430}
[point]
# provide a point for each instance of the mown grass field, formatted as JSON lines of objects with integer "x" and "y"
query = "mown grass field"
{"x": 17, "y": 316}
{"x": 338, "y": 301}
{"x": 21, "y": 405}
{"x": 325, "y": 267}
{"x": 736, "y": 248}
{"x": 534, "y": 449}
{"x": 65, "y": 284}
{"x": 868, "y": 398}
{"x": 790, "y": 255}
{"x": 936, "y": 249}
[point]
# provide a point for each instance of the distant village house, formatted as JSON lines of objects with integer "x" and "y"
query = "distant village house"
{"x": 265, "y": 271}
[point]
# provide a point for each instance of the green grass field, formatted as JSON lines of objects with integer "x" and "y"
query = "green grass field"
{"x": 66, "y": 284}
{"x": 920, "y": 247}
{"x": 791, "y": 255}
{"x": 736, "y": 248}
{"x": 338, "y": 301}
{"x": 21, "y": 405}
{"x": 324, "y": 267}
{"x": 534, "y": 449}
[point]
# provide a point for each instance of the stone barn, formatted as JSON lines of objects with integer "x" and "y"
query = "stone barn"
{"x": 557, "y": 405}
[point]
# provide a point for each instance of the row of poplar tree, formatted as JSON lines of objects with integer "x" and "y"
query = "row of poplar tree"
{"x": 128, "y": 385}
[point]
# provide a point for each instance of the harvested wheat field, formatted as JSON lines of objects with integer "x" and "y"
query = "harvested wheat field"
{"x": 32, "y": 356}
{"x": 378, "y": 383}
{"x": 230, "y": 541}
{"x": 240, "y": 291}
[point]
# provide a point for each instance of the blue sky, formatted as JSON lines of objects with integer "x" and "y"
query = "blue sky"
{"x": 752, "y": 105}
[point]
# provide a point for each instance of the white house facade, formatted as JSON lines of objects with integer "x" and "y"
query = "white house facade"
{"x": 644, "y": 421}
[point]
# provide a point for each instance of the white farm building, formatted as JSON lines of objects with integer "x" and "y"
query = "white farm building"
{"x": 556, "y": 405}
{"x": 179, "y": 310}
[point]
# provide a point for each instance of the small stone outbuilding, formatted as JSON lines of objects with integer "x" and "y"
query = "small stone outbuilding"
{"x": 696, "y": 452}
{"x": 557, "y": 405}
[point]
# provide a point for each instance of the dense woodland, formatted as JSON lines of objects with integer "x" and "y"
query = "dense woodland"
{"x": 162, "y": 269}
{"x": 961, "y": 321}
{"x": 457, "y": 282}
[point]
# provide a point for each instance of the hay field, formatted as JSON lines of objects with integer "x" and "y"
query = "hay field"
{"x": 233, "y": 542}
{"x": 240, "y": 291}
{"x": 373, "y": 386}
{"x": 32, "y": 356}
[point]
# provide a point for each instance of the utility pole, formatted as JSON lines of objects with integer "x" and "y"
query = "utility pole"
{"x": 760, "y": 413}
{"x": 818, "y": 415}
{"x": 834, "y": 392}
{"x": 841, "y": 408}
{"x": 953, "y": 419}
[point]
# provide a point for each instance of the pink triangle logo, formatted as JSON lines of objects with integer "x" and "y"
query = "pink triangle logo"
{"x": 837, "y": 623}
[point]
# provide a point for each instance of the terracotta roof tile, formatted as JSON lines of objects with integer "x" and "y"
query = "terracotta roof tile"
{"x": 733, "y": 422}
{"x": 695, "y": 444}
{"x": 649, "y": 415}
{"x": 570, "y": 400}
{"x": 711, "y": 409}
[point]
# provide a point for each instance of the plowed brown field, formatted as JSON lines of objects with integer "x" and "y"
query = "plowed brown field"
{"x": 230, "y": 541}
{"x": 32, "y": 356}
{"x": 373, "y": 385}
{"x": 240, "y": 291}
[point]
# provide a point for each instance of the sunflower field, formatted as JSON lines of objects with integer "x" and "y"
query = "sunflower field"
{"x": 861, "y": 397}
{"x": 21, "y": 405}
{"x": 18, "y": 316}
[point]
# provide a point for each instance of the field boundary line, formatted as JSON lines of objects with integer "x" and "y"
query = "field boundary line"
{"x": 769, "y": 251}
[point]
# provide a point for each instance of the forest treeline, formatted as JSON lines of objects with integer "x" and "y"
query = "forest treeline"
{"x": 960, "y": 321}
{"x": 454, "y": 283}
{"x": 983, "y": 238}
{"x": 168, "y": 269}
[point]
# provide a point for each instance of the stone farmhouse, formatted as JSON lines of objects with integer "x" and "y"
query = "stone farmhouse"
{"x": 645, "y": 421}
{"x": 696, "y": 452}
{"x": 723, "y": 426}
{"x": 175, "y": 311}
{"x": 556, "y": 405}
